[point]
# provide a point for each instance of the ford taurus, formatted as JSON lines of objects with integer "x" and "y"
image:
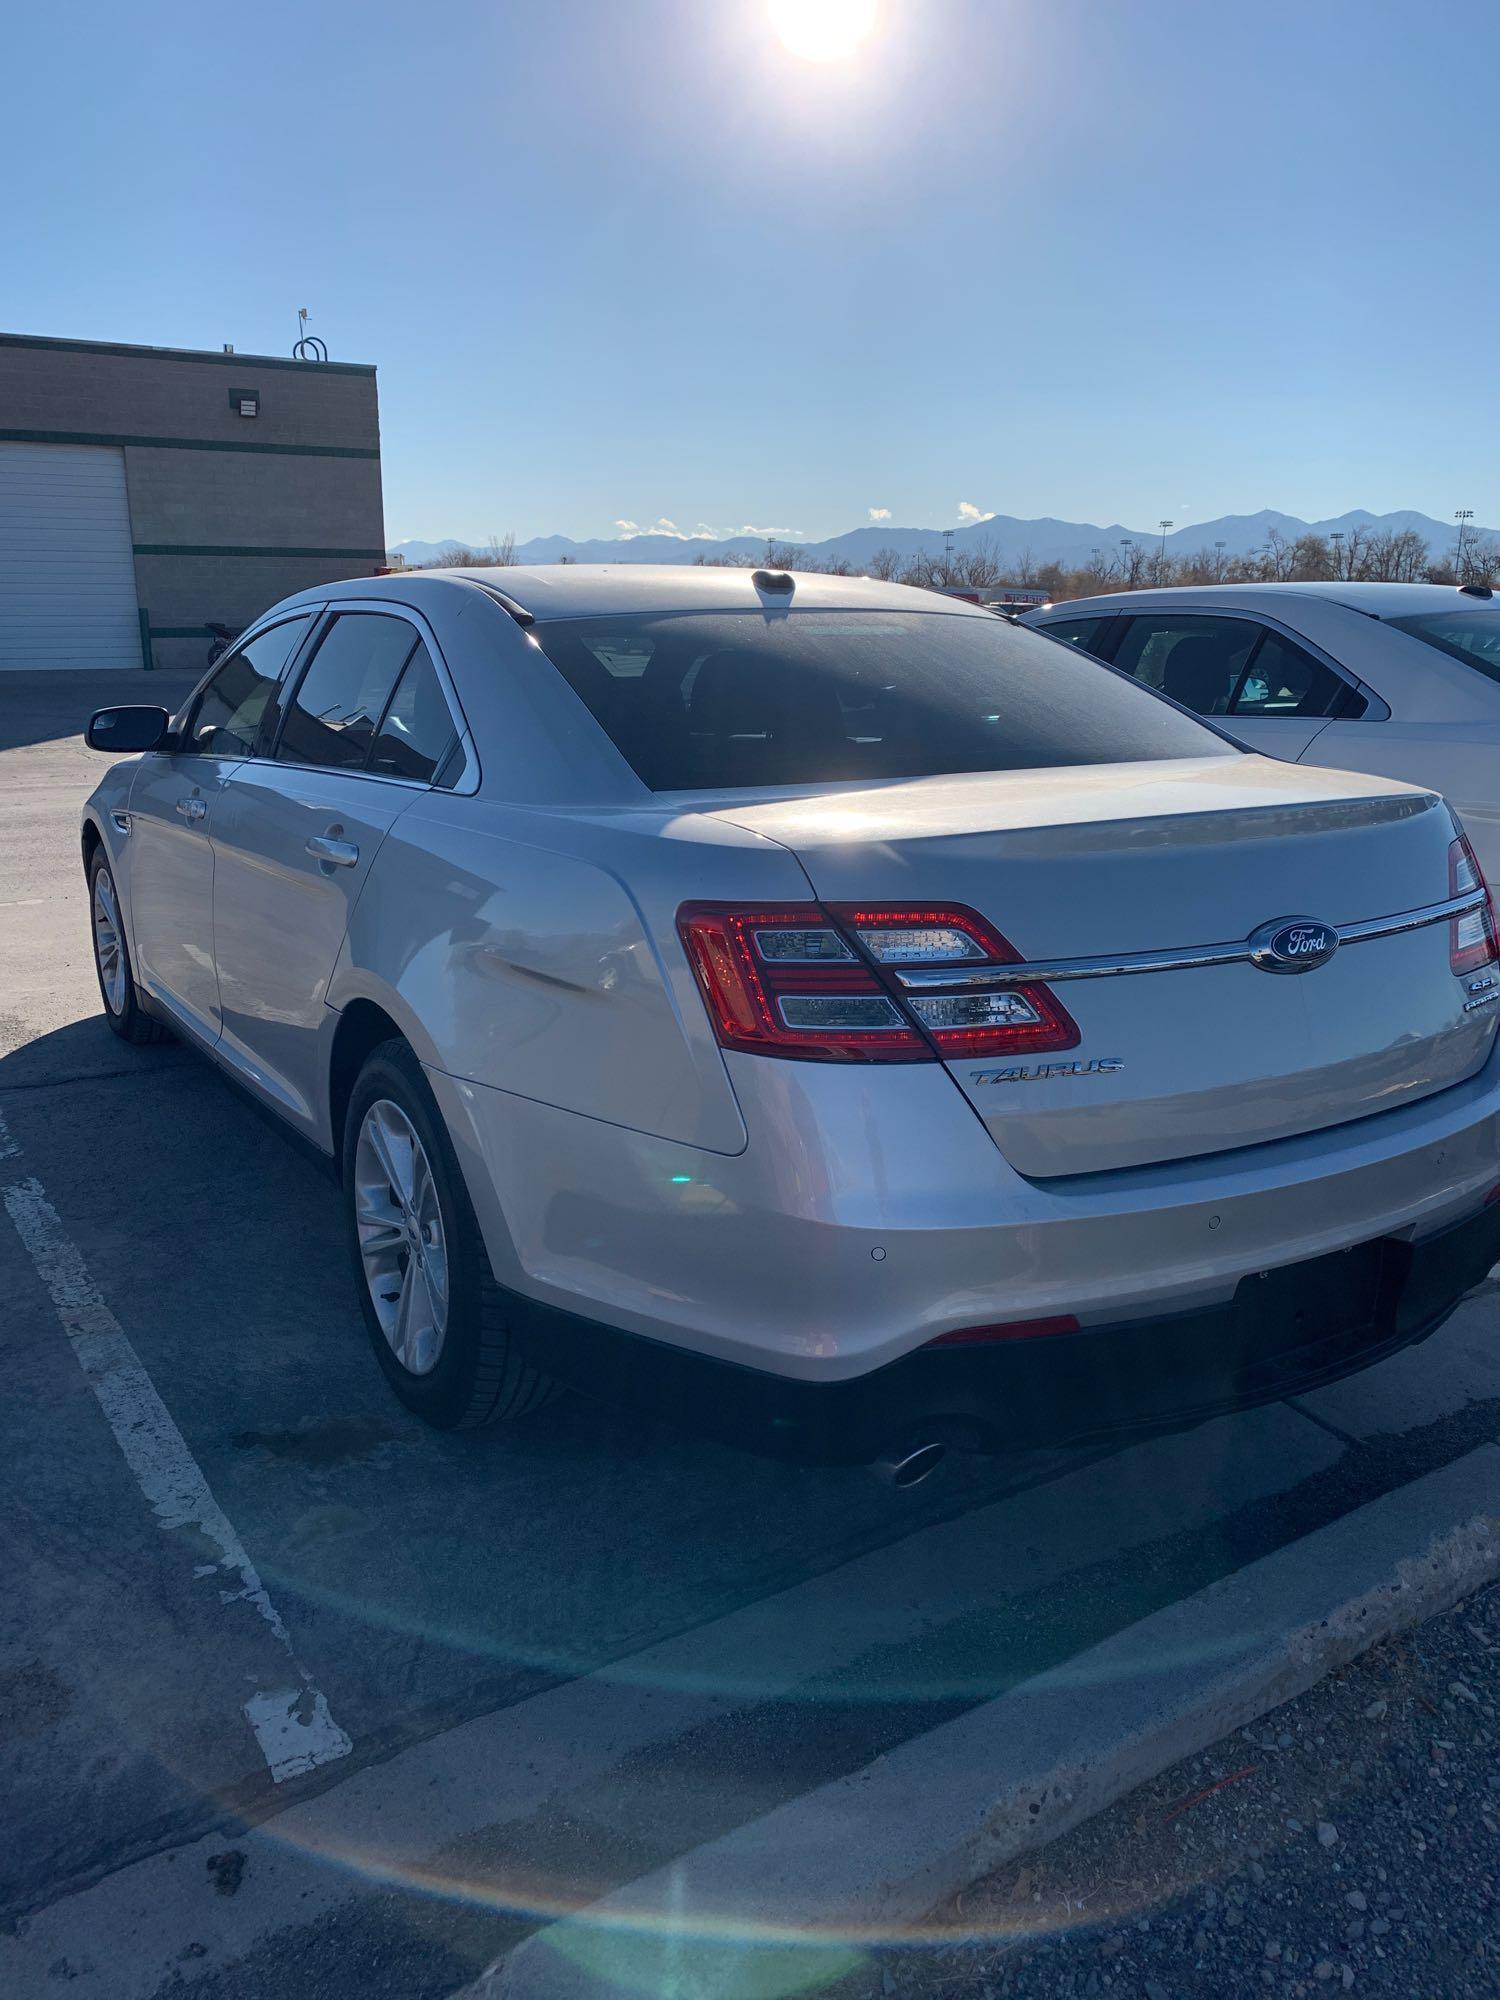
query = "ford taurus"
{"x": 810, "y": 1008}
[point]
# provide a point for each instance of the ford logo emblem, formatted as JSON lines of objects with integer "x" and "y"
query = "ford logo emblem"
{"x": 1293, "y": 944}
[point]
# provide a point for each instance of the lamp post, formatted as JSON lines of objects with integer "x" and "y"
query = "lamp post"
{"x": 1219, "y": 563}
{"x": 1165, "y": 525}
{"x": 1463, "y": 516}
{"x": 1337, "y": 538}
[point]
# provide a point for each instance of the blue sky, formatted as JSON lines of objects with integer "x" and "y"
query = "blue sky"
{"x": 631, "y": 260}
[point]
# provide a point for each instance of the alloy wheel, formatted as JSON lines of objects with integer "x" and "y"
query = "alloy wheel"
{"x": 108, "y": 948}
{"x": 402, "y": 1246}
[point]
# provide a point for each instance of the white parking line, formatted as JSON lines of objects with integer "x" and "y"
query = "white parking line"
{"x": 292, "y": 1725}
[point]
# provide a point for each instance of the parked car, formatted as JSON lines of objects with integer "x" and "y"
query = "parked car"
{"x": 810, "y": 1008}
{"x": 1398, "y": 678}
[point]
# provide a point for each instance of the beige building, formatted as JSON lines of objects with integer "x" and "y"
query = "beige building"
{"x": 145, "y": 491}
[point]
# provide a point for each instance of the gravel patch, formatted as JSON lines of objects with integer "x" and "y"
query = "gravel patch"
{"x": 1348, "y": 1842}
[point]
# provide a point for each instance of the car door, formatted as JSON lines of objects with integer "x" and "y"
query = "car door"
{"x": 175, "y": 800}
{"x": 1251, "y": 679}
{"x": 365, "y": 728}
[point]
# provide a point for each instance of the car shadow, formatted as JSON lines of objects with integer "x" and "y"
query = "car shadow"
{"x": 427, "y": 1577}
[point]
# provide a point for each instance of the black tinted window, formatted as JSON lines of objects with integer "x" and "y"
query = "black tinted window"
{"x": 226, "y": 716}
{"x": 1470, "y": 636}
{"x": 341, "y": 697}
{"x": 1283, "y": 680}
{"x": 1197, "y": 661}
{"x": 417, "y": 732}
{"x": 1080, "y": 632}
{"x": 726, "y": 699}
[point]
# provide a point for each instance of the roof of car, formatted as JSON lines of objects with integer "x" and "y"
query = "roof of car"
{"x": 583, "y": 590}
{"x": 1375, "y": 600}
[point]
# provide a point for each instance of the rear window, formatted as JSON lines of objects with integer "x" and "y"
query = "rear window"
{"x": 710, "y": 701}
{"x": 1470, "y": 636}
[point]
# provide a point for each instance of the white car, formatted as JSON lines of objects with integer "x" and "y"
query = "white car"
{"x": 1398, "y": 678}
{"x": 810, "y": 1008}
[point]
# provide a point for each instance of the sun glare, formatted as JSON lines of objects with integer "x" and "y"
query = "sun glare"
{"x": 823, "y": 30}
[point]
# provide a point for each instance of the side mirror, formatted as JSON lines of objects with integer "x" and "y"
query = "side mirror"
{"x": 123, "y": 730}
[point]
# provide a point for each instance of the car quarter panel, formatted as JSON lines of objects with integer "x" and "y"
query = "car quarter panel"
{"x": 512, "y": 936}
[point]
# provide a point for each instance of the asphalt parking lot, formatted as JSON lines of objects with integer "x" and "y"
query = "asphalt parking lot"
{"x": 532, "y": 1663}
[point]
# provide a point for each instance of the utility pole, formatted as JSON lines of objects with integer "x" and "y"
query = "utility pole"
{"x": 1463, "y": 516}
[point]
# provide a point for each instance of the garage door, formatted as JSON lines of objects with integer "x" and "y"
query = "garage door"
{"x": 67, "y": 577}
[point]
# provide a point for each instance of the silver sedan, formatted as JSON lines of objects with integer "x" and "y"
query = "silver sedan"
{"x": 1398, "y": 678}
{"x": 809, "y": 1007}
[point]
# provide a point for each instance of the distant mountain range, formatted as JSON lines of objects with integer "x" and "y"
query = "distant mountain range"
{"x": 1068, "y": 542}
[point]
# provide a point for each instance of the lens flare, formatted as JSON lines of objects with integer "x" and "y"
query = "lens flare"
{"x": 823, "y": 31}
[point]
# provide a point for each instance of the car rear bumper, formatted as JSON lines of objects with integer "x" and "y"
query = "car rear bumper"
{"x": 1282, "y": 1333}
{"x": 871, "y": 1213}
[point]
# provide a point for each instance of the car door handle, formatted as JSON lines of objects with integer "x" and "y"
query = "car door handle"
{"x": 337, "y": 853}
{"x": 193, "y": 808}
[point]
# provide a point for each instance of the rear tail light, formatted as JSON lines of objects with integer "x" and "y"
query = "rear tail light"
{"x": 1471, "y": 938}
{"x": 785, "y": 983}
{"x": 856, "y": 984}
{"x": 930, "y": 954}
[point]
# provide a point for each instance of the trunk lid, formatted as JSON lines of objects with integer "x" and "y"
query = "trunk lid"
{"x": 1101, "y": 861}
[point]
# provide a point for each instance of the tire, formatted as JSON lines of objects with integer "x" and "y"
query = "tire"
{"x": 112, "y": 967}
{"x": 439, "y": 1331}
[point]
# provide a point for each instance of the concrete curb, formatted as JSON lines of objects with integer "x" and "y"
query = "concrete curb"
{"x": 790, "y": 1899}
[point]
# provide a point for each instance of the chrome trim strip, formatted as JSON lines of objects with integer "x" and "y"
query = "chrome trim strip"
{"x": 1413, "y": 920}
{"x": 1052, "y": 972}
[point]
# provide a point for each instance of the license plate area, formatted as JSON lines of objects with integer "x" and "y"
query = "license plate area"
{"x": 1325, "y": 1299}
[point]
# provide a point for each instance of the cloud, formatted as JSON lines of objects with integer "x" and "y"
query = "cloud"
{"x": 967, "y": 511}
{"x": 880, "y": 513}
{"x": 702, "y": 532}
{"x": 630, "y": 529}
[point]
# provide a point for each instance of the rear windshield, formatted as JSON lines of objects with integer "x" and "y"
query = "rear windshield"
{"x": 1470, "y": 636}
{"x": 709, "y": 701}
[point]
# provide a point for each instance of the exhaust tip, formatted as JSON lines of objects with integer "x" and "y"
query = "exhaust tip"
{"x": 909, "y": 1468}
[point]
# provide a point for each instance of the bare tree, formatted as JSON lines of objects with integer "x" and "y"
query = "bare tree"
{"x": 1392, "y": 557}
{"x": 502, "y": 550}
{"x": 885, "y": 564}
{"x": 1350, "y": 548}
{"x": 1276, "y": 558}
{"x": 1312, "y": 558}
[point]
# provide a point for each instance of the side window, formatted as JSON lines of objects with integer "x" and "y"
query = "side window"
{"x": 1197, "y": 661}
{"x": 224, "y": 719}
{"x": 1283, "y": 680}
{"x": 332, "y": 718}
{"x": 1079, "y": 632}
{"x": 417, "y": 730}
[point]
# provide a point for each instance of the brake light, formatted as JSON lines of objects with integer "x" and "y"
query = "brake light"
{"x": 932, "y": 955}
{"x": 856, "y": 984}
{"x": 783, "y": 982}
{"x": 1471, "y": 938}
